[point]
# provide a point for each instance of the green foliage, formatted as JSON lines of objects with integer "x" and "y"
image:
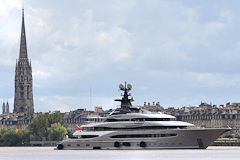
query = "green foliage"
{"x": 24, "y": 136}
{"x": 9, "y": 137}
{"x": 56, "y": 132}
{"x": 50, "y": 126}
{"x": 40, "y": 126}
{"x": 56, "y": 118}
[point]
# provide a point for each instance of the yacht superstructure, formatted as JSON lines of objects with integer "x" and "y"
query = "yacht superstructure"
{"x": 133, "y": 128}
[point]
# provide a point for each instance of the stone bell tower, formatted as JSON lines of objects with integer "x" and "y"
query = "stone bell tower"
{"x": 23, "y": 97}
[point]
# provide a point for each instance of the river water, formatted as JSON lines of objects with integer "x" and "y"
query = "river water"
{"x": 48, "y": 153}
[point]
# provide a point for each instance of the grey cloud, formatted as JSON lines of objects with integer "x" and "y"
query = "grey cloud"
{"x": 175, "y": 52}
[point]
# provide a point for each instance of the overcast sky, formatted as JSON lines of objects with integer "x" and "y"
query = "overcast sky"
{"x": 177, "y": 52}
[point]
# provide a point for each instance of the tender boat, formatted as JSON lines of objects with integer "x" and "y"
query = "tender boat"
{"x": 133, "y": 128}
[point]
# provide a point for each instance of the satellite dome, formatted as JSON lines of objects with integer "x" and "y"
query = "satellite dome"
{"x": 121, "y": 86}
{"x": 129, "y": 86}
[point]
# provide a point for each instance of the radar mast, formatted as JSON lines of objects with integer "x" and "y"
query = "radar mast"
{"x": 125, "y": 101}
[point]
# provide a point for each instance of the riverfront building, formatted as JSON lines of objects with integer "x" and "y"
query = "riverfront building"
{"x": 210, "y": 116}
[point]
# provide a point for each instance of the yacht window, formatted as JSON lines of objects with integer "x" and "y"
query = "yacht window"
{"x": 157, "y": 119}
{"x": 74, "y": 137}
{"x": 143, "y": 135}
{"x": 138, "y": 119}
{"x": 89, "y": 136}
{"x": 117, "y": 120}
{"x": 88, "y": 128}
{"x": 138, "y": 128}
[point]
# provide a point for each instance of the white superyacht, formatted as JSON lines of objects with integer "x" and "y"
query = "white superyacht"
{"x": 132, "y": 128}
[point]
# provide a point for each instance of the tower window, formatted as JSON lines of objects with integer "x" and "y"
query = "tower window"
{"x": 21, "y": 94}
{"x": 21, "y": 87}
{"x": 27, "y": 91}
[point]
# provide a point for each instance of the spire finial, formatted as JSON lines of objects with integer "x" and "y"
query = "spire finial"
{"x": 23, "y": 5}
{"x": 23, "y": 13}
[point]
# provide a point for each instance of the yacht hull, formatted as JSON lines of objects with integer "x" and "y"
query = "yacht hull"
{"x": 177, "y": 139}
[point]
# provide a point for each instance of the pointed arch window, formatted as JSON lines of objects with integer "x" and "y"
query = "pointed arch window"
{"x": 21, "y": 94}
{"x": 21, "y": 87}
{"x": 28, "y": 90}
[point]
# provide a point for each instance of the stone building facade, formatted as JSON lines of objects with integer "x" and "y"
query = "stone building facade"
{"x": 76, "y": 118}
{"x": 210, "y": 116}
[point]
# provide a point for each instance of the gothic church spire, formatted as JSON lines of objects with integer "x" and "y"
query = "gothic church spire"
{"x": 23, "y": 97}
{"x": 23, "y": 43}
{"x": 3, "y": 108}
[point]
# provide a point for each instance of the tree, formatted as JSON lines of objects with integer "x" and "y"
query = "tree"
{"x": 56, "y": 132}
{"x": 56, "y": 118}
{"x": 39, "y": 127}
{"x": 1, "y": 136}
{"x": 51, "y": 126}
{"x": 10, "y": 138}
{"x": 24, "y": 136}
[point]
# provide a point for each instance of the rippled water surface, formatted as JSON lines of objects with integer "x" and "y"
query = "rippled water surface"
{"x": 48, "y": 153}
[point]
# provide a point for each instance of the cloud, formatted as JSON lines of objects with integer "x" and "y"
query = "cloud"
{"x": 68, "y": 103}
{"x": 215, "y": 79}
{"x": 6, "y": 6}
{"x": 71, "y": 51}
{"x": 116, "y": 43}
{"x": 8, "y": 32}
{"x": 167, "y": 49}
